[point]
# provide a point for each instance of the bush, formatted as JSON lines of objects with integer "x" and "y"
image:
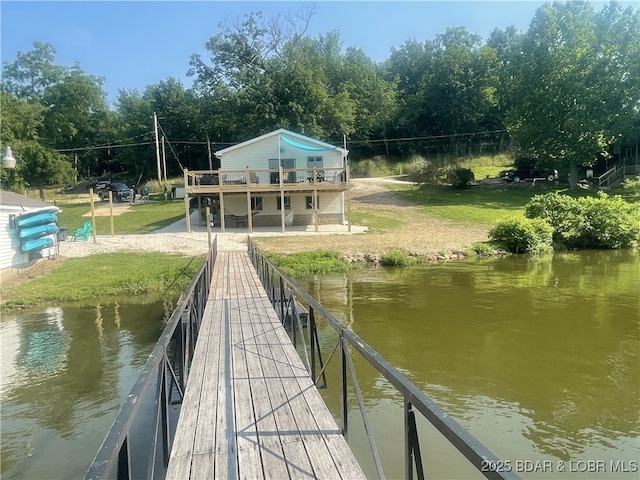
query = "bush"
{"x": 562, "y": 212}
{"x": 588, "y": 222}
{"x": 460, "y": 177}
{"x": 483, "y": 249}
{"x": 632, "y": 184}
{"x": 310, "y": 263}
{"x": 397, "y": 258}
{"x": 523, "y": 235}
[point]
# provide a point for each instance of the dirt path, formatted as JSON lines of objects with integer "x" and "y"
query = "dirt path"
{"x": 419, "y": 234}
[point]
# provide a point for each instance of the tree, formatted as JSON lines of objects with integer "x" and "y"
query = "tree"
{"x": 269, "y": 75}
{"x": 32, "y": 72}
{"x": 575, "y": 77}
{"x": 71, "y": 106}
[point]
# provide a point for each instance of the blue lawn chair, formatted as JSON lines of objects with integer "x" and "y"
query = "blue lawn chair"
{"x": 85, "y": 232}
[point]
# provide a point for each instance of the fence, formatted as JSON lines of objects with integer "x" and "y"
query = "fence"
{"x": 131, "y": 447}
{"x": 286, "y": 296}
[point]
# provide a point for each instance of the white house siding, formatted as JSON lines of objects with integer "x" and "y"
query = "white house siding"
{"x": 256, "y": 155}
{"x": 10, "y": 253}
{"x": 330, "y": 211}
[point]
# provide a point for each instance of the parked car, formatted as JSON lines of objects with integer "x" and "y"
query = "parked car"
{"x": 528, "y": 172}
{"x": 101, "y": 185}
{"x": 119, "y": 191}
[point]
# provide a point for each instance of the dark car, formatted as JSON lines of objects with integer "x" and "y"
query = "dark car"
{"x": 527, "y": 172}
{"x": 119, "y": 191}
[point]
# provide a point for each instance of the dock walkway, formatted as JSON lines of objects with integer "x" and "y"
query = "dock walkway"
{"x": 250, "y": 409}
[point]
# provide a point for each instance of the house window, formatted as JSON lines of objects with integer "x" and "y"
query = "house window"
{"x": 287, "y": 164}
{"x": 314, "y": 162}
{"x": 309, "y": 202}
{"x": 256, "y": 204}
{"x": 287, "y": 203}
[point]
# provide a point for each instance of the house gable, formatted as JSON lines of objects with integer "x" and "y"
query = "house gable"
{"x": 279, "y": 145}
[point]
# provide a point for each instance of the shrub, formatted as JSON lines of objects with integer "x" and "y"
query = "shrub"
{"x": 483, "y": 249}
{"x": 460, "y": 177}
{"x": 632, "y": 184}
{"x": 610, "y": 222}
{"x": 397, "y": 258}
{"x": 310, "y": 263}
{"x": 523, "y": 235}
{"x": 562, "y": 212}
{"x": 588, "y": 222}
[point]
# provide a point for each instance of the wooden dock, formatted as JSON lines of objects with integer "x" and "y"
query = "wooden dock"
{"x": 250, "y": 409}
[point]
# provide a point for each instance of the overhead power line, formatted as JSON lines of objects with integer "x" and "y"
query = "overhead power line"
{"x": 191, "y": 142}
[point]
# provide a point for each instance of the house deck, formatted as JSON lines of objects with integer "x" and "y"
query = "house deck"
{"x": 250, "y": 408}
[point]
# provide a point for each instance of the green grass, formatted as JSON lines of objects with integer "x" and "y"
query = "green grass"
{"x": 376, "y": 223}
{"x": 106, "y": 276}
{"x": 488, "y": 166}
{"x": 310, "y": 263}
{"x": 471, "y": 205}
{"x": 141, "y": 217}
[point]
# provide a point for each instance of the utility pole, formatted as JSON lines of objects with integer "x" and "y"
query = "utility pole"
{"x": 164, "y": 161}
{"x": 209, "y": 151}
{"x": 155, "y": 128}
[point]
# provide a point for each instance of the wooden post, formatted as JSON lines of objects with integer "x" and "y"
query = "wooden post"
{"x": 348, "y": 200}
{"x": 186, "y": 200}
{"x": 155, "y": 129}
{"x": 316, "y": 211}
{"x": 93, "y": 215}
{"x": 207, "y": 213}
{"x": 222, "y": 212}
{"x": 111, "y": 210}
{"x": 249, "y": 218}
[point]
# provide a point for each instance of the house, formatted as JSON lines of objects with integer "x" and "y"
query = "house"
{"x": 28, "y": 230}
{"x": 281, "y": 178}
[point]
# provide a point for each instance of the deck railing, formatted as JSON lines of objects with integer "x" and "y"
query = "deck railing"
{"x": 616, "y": 174}
{"x": 138, "y": 446}
{"x": 287, "y": 297}
{"x": 257, "y": 178}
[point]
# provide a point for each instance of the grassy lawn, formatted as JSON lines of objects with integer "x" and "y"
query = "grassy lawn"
{"x": 139, "y": 218}
{"x": 485, "y": 205}
{"x": 106, "y": 276}
{"x": 471, "y": 205}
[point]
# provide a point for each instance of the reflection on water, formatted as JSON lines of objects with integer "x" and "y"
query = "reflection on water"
{"x": 65, "y": 373}
{"x": 537, "y": 357}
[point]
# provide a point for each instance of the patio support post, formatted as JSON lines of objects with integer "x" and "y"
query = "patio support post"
{"x": 186, "y": 200}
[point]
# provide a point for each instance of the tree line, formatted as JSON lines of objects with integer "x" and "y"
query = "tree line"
{"x": 564, "y": 93}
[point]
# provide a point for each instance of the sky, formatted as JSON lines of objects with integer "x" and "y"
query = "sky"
{"x": 133, "y": 44}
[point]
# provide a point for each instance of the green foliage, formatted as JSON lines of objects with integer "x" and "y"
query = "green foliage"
{"x": 107, "y": 275}
{"x": 310, "y": 263}
{"x": 483, "y": 249}
{"x": 397, "y": 258}
{"x": 571, "y": 83}
{"x": 632, "y": 185}
{"x": 588, "y": 222}
{"x": 523, "y": 235}
{"x": 460, "y": 177}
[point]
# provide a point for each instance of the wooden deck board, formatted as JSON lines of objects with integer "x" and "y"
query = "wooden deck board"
{"x": 251, "y": 411}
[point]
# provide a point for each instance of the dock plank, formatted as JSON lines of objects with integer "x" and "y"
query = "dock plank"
{"x": 250, "y": 410}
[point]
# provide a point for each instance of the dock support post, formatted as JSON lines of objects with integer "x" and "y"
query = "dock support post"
{"x": 343, "y": 387}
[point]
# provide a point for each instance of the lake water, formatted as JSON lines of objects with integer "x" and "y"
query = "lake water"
{"x": 65, "y": 373}
{"x": 538, "y": 357}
